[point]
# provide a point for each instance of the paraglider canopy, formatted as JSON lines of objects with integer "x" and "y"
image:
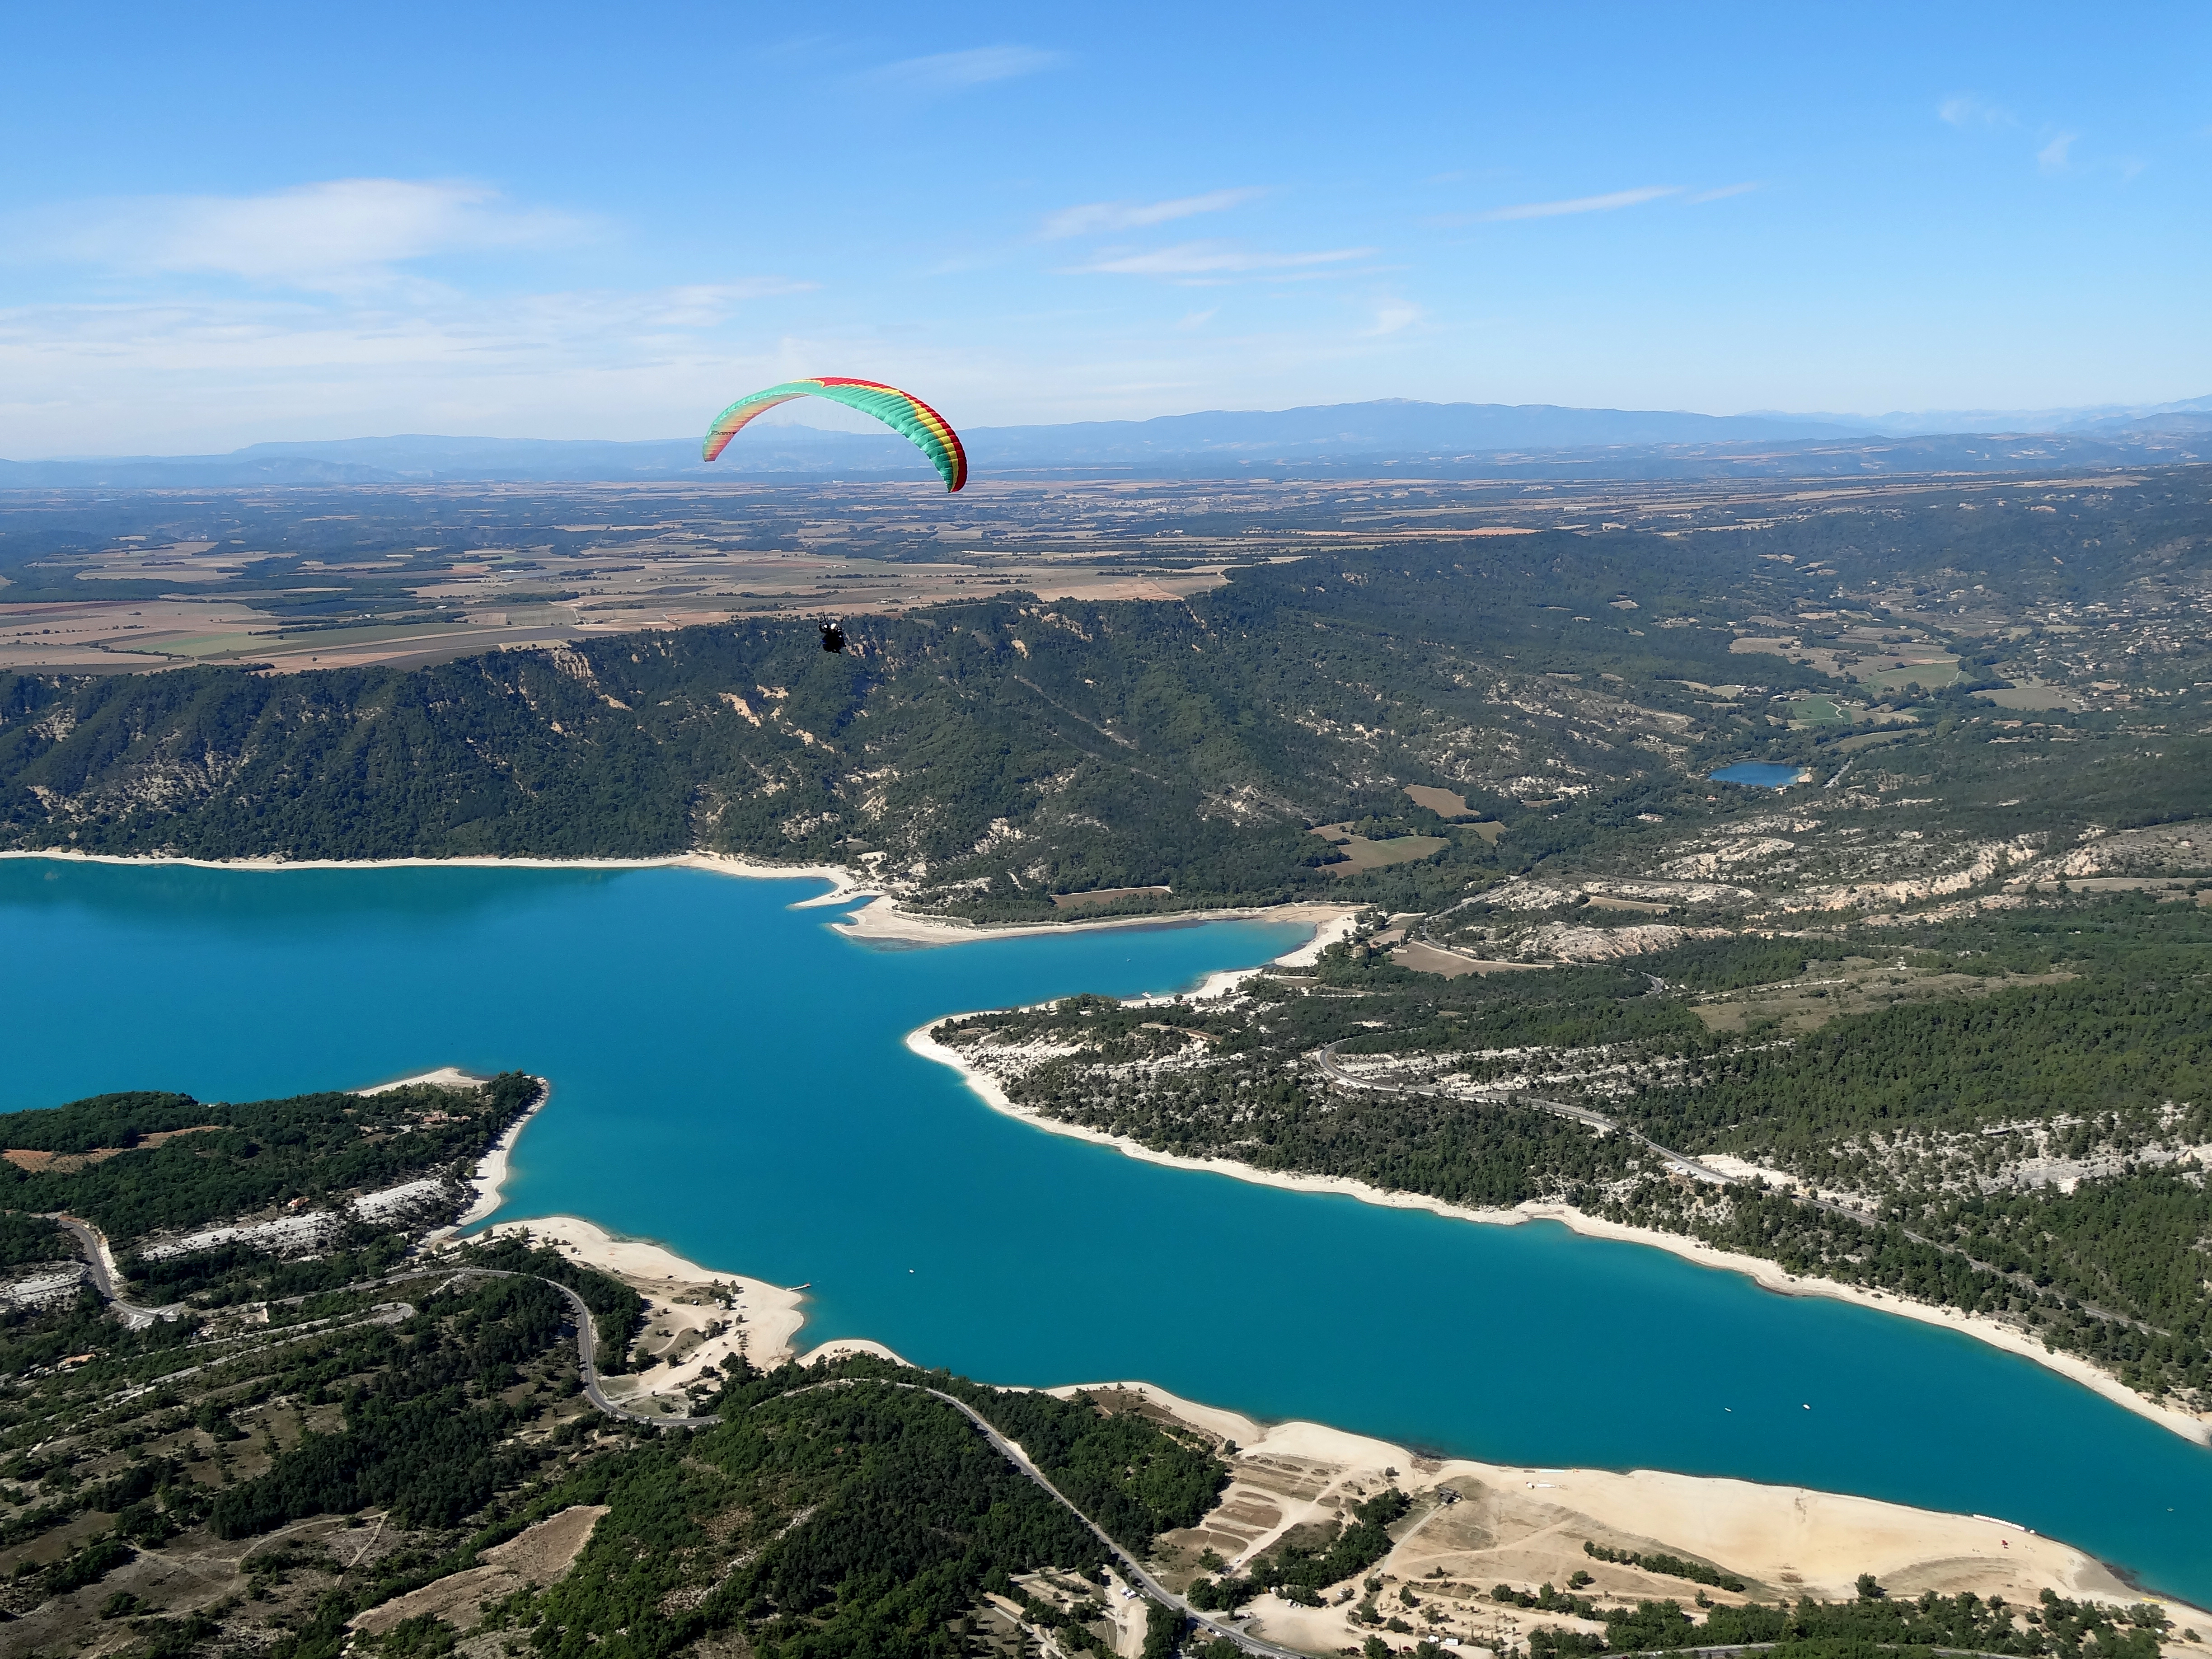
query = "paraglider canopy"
{"x": 901, "y": 410}
{"x": 833, "y": 636}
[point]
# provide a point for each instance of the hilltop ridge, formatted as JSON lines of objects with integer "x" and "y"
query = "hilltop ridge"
{"x": 1452, "y": 439}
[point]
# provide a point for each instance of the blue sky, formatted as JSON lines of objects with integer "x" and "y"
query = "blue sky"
{"x": 220, "y": 225}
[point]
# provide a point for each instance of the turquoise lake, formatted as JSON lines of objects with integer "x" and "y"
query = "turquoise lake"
{"x": 729, "y": 1077}
{"x": 1757, "y": 775}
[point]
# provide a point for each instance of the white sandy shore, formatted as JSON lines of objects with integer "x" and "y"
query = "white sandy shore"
{"x": 848, "y": 886}
{"x": 1768, "y": 1274}
{"x": 491, "y": 1171}
{"x": 1822, "y": 1541}
{"x": 884, "y": 920}
{"x": 772, "y": 1314}
{"x": 1814, "y": 1542}
{"x": 880, "y": 919}
{"x": 446, "y": 1076}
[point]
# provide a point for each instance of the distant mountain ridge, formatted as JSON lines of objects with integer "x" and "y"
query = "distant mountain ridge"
{"x": 1450, "y": 440}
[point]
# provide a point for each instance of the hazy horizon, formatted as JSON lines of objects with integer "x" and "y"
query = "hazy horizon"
{"x": 828, "y": 419}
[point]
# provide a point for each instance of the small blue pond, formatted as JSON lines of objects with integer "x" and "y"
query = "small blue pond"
{"x": 1762, "y": 774}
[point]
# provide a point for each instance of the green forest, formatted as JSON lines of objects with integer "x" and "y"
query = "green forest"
{"x": 168, "y": 1161}
{"x": 1131, "y": 744}
{"x": 1919, "y": 1107}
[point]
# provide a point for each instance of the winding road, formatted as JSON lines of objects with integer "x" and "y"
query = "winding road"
{"x": 101, "y": 1265}
{"x": 587, "y": 1342}
{"x": 1132, "y": 1569}
{"x": 1326, "y": 1058}
{"x": 1682, "y": 1161}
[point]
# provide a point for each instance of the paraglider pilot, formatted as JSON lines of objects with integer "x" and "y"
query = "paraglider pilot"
{"x": 833, "y": 636}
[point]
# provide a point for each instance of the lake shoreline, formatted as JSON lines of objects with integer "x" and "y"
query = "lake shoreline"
{"x": 1768, "y": 1275}
{"x": 881, "y": 920}
{"x": 1812, "y": 1541}
{"x": 884, "y": 920}
{"x": 1831, "y": 1536}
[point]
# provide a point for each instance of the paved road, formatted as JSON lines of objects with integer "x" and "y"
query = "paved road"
{"x": 1705, "y": 1172}
{"x": 587, "y": 1368}
{"x": 93, "y": 1249}
{"x": 1681, "y": 1161}
{"x": 1132, "y": 1569}
{"x": 587, "y": 1344}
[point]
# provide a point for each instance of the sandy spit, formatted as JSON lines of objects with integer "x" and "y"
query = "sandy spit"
{"x": 491, "y": 1170}
{"x": 773, "y": 1313}
{"x": 884, "y": 920}
{"x": 491, "y": 1173}
{"x": 1767, "y": 1274}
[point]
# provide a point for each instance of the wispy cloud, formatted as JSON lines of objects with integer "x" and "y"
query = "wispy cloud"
{"x": 198, "y": 372}
{"x": 335, "y": 235}
{"x": 1719, "y": 195}
{"x": 956, "y": 71}
{"x": 1391, "y": 316}
{"x": 1964, "y": 109}
{"x": 1093, "y": 217}
{"x": 2057, "y": 155}
{"x": 1193, "y": 321}
{"x": 1606, "y": 203}
{"x": 1216, "y": 260}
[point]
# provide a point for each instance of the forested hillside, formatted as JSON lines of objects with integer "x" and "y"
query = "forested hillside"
{"x": 2022, "y": 1133}
{"x": 137, "y": 1164}
{"x": 989, "y": 754}
{"x": 305, "y": 1429}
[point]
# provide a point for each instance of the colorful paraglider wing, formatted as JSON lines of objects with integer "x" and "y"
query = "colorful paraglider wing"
{"x": 901, "y": 410}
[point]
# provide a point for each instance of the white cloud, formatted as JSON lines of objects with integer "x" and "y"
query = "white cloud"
{"x": 1192, "y": 321}
{"x": 1391, "y": 316}
{"x": 1095, "y": 216}
{"x": 2057, "y": 155}
{"x": 1216, "y": 259}
{"x": 1963, "y": 109}
{"x": 334, "y": 235}
{"x": 199, "y": 373}
{"x": 1721, "y": 194}
{"x": 956, "y": 71}
{"x": 1607, "y": 204}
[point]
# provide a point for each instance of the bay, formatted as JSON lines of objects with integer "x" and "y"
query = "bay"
{"x": 730, "y": 1078}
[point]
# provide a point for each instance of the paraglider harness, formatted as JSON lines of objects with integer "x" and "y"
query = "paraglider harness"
{"x": 833, "y": 636}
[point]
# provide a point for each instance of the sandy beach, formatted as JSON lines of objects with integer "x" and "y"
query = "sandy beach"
{"x": 1519, "y": 1525}
{"x": 491, "y": 1171}
{"x": 1512, "y": 1524}
{"x": 1527, "y": 1526}
{"x": 696, "y": 1318}
{"x": 1768, "y": 1274}
{"x": 881, "y": 918}
{"x": 884, "y": 920}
